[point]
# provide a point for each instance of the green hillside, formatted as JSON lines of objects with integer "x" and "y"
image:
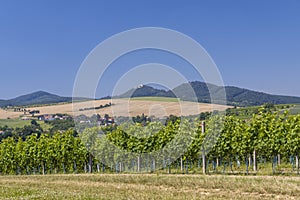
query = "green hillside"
{"x": 37, "y": 98}
{"x": 203, "y": 92}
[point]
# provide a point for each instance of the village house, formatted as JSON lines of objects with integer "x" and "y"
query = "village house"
{"x": 50, "y": 117}
{"x": 106, "y": 121}
{"x": 46, "y": 117}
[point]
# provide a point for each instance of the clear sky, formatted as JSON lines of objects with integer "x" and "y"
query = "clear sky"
{"x": 255, "y": 44}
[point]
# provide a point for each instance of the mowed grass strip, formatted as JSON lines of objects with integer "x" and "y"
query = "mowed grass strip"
{"x": 19, "y": 123}
{"x": 145, "y": 186}
{"x": 295, "y": 109}
{"x": 14, "y": 123}
{"x": 164, "y": 99}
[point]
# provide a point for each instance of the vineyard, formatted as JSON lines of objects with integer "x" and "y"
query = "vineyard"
{"x": 269, "y": 143}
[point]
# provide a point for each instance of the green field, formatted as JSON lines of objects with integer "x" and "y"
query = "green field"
{"x": 295, "y": 109}
{"x": 145, "y": 186}
{"x": 164, "y": 99}
{"x": 19, "y": 123}
{"x": 14, "y": 123}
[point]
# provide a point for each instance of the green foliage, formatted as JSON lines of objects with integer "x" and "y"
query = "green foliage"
{"x": 44, "y": 154}
{"x": 143, "y": 119}
{"x": 61, "y": 125}
{"x": 97, "y": 107}
{"x": 226, "y": 138}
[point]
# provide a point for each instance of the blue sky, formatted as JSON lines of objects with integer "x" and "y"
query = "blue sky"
{"x": 255, "y": 44}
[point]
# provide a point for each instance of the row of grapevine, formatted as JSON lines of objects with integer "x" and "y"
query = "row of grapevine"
{"x": 266, "y": 137}
{"x": 60, "y": 153}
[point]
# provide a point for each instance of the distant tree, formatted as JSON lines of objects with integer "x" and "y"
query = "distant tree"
{"x": 171, "y": 119}
{"x": 61, "y": 125}
{"x": 205, "y": 115}
{"x": 215, "y": 112}
{"x": 33, "y": 122}
{"x": 98, "y": 117}
{"x": 269, "y": 106}
{"x": 143, "y": 119}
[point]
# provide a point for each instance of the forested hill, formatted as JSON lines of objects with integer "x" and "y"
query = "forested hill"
{"x": 146, "y": 91}
{"x": 235, "y": 96}
{"x": 39, "y": 97}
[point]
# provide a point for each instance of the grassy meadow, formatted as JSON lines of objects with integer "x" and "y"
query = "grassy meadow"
{"x": 14, "y": 123}
{"x": 295, "y": 109}
{"x": 19, "y": 123}
{"x": 165, "y": 99}
{"x": 148, "y": 186}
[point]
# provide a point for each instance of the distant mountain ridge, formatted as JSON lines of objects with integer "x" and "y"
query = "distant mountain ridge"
{"x": 35, "y": 98}
{"x": 234, "y": 95}
{"x": 145, "y": 90}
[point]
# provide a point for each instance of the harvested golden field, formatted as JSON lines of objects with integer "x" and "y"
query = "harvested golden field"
{"x": 154, "y": 106}
{"x": 148, "y": 186}
{"x": 5, "y": 114}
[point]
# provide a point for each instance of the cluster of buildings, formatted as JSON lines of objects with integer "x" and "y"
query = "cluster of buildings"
{"x": 106, "y": 121}
{"x": 101, "y": 122}
{"x": 47, "y": 117}
{"x": 50, "y": 117}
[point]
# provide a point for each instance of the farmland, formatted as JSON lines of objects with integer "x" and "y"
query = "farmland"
{"x": 14, "y": 123}
{"x": 154, "y": 106}
{"x": 295, "y": 109}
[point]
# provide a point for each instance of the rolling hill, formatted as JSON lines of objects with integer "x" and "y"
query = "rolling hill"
{"x": 235, "y": 95}
{"x": 35, "y": 98}
{"x": 150, "y": 106}
{"x": 146, "y": 91}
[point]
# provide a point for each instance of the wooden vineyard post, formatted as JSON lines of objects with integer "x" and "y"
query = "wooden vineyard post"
{"x": 98, "y": 167}
{"x": 153, "y": 164}
{"x": 181, "y": 164}
{"x": 90, "y": 163}
{"x": 203, "y": 153}
{"x": 138, "y": 163}
{"x": 254, "y": 161}
{"x": 120, "y": 167}
{"x": 297, "y": 163}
